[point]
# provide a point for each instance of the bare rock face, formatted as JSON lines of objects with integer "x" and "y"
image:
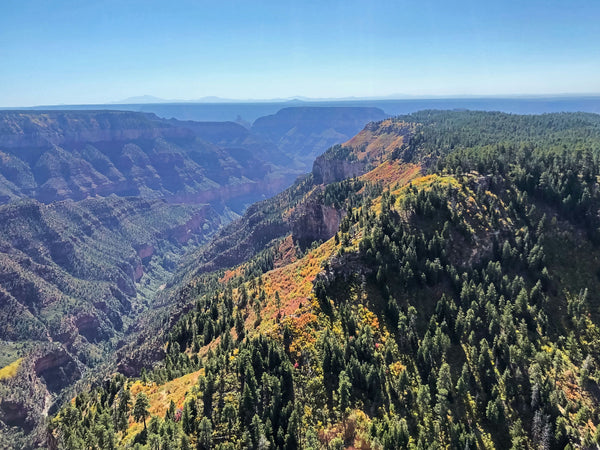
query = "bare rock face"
{"x": 89, "y": 326}
{"x": 58, "y": 369}
{"x": 314, "y": 221}
{"x": 145, "y": 251}
{"x": 134, "y": 357}
{"x": 14, "y": 414}
{"x": 329, "y": 170}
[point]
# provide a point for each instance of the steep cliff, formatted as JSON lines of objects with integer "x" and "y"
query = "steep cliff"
{"x": 58, "y": 155}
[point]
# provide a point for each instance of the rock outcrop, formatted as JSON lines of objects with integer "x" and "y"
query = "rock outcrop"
{"x": 57, "y": 369}
{"x": 329, "y": 170}
{"x": 313, "y": 221}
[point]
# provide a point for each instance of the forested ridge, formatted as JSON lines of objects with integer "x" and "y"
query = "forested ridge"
{"x": 455, "y": 306}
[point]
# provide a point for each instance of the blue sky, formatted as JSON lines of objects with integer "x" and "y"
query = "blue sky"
{"x": 79, "y": 51}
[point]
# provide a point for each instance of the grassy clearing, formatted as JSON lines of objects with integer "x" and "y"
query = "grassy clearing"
{"x": 10, "y": 370}
{"x": 160, "y": 396}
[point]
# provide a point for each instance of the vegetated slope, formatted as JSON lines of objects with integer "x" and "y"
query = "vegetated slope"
{"x": 58, "y": 155}
{"x": 73, "y": 277}
{"x": 456, "y": 307}
{"x": 77, "y": 278}
{"x": 306, "y": 132}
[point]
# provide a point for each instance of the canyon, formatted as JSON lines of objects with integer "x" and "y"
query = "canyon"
{"x": 98, "y": 211}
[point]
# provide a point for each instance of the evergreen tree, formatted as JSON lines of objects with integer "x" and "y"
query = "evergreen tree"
{"x": 205, "y": 434}
{"x": 141, "y": 408}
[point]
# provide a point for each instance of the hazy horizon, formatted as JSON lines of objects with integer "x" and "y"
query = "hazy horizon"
{"x": 152, "y": 100}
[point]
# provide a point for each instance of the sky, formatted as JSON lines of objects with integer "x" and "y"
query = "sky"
{"x": 81, "y": 52}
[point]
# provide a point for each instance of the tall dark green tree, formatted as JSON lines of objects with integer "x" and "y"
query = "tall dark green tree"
{"x": 141, "y": 408}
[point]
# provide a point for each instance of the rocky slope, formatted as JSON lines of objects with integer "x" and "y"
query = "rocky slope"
{"x": 74, "y": 277}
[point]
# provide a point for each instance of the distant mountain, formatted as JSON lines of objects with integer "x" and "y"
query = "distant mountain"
{"x": 306, "y": 132}
{"x": 150, "y": 99}
{"x": 252, "y": 110}
{"x": 142, "y": 99}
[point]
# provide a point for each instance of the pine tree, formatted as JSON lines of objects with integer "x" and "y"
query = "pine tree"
{"x": 278, "y": 303}
{"x": 187, "y": 421}
{"x": 205, "y": 434}
{"x": 123, "y": 410}
{"x": 170, "y": 414}
{"x": 140, "y": 409}
{"x": 344, "y": 392}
